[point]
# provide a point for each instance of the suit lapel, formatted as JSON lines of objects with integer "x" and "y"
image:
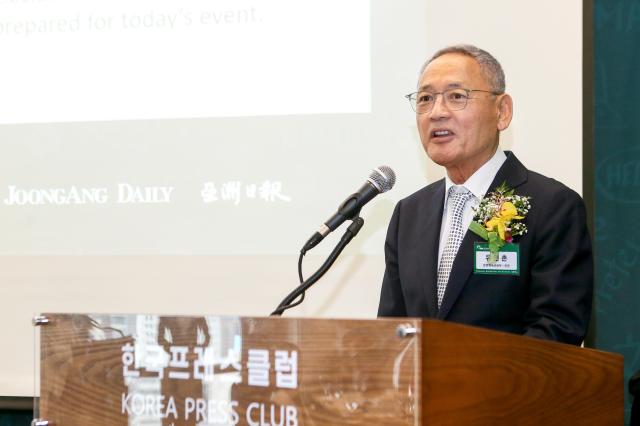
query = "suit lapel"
{"x": 429, "y": 239}
{"x": 515, "y": 174}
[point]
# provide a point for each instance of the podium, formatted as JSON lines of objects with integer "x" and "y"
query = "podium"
{"x": 99, "y": 369}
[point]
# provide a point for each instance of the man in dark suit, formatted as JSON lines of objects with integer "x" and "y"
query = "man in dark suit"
{"x": 461, "y": 108}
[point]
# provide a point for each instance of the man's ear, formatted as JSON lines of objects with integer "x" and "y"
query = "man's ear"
{"x": 505, "y": 111}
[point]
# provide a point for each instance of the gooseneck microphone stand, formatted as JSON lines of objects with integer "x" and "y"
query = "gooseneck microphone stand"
{"x": 288, "y": 302}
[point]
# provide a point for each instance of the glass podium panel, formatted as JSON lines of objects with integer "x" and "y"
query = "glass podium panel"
{"x": 177, "y": 370}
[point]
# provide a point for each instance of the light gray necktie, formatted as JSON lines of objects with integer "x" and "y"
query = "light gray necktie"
{"x": 456, "y": 200}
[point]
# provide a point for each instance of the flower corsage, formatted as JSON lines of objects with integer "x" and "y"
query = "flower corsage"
{"x": 498, "y": 218}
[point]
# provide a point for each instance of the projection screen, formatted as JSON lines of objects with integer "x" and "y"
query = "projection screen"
{"x": 174, "y": 156}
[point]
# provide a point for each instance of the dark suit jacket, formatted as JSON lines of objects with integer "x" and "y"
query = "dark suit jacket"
{"x": 550, "y": 299}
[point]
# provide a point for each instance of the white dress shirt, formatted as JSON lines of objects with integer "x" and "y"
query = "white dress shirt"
{"x": 478, "y": 184}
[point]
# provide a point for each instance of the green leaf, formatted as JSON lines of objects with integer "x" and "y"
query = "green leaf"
{"x": 495, "y": 243}
{"x": 494, "y": 238}
{"x": 479, "y": 230}
{"x": 502, "y": 188}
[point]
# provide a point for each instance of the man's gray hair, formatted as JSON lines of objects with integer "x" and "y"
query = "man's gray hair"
{"x": 489, "y": 65}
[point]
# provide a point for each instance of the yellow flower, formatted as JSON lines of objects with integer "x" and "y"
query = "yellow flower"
{"x": 508, "y": 212}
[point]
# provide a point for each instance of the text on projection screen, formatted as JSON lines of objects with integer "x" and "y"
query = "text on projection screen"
{"x": 86, "y": 60}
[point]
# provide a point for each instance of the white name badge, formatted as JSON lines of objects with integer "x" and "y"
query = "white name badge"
{"x": 508, "y": 262}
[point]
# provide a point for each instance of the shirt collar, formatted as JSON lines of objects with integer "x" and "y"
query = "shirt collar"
{"x": 479, "y": 182}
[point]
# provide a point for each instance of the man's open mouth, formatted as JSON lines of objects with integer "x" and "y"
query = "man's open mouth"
{"x": 441, "y": 133}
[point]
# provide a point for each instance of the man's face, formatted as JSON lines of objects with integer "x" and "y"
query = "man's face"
{"x": 466, "y": 138}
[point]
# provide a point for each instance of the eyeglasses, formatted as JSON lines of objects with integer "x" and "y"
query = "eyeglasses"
{"x": 454, "y": 99}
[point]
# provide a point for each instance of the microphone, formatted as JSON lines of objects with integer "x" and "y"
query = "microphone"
{"x": 380, "y": 180}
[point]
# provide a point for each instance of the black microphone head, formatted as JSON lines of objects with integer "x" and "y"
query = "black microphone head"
{"x": 383, "y": 178}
